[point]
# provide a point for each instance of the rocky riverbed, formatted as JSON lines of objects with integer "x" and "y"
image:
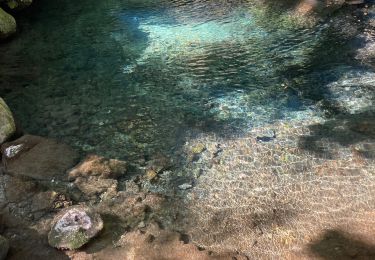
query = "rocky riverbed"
{"x": 290, "y": 189}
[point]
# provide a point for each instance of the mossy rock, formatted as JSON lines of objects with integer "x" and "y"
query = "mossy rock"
{"x": 8, "y": 26}
{"x": 74, "y": 227}
{"x": 7, "y": 125}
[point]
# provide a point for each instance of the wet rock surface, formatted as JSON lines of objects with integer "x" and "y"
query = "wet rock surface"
{"x": 7, "y": 124}
{"x": 73, "y": 227}
{"x": 4, "y": 247}
{"x": 97, "y": 175}
{"x": 8, "y": 25}
{"x": 38, "y": 158}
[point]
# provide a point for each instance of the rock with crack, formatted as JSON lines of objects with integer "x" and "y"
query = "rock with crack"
{"x": 74, "y": 227}
{"x": 38, "y": 158}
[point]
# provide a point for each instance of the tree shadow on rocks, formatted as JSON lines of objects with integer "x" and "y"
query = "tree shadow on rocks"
{"x": 350, "y": 131}
{"x": 335, "y": 244}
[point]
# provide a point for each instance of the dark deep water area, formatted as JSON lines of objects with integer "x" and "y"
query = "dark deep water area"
{"x": 129, "y": 79}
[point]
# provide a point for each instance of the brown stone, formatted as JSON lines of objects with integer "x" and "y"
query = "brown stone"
{"x": 96, "y": 175}
{"x": 17, "y": 189}
{"x": 94, "y": 186}
{"x": 38, "y": 158}
{"x": 94, "y": 165}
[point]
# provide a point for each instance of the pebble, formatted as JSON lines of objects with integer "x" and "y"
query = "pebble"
{"x": 185, "y": 186}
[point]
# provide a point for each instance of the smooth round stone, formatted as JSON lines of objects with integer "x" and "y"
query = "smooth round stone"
{"x": 74, "y": 227}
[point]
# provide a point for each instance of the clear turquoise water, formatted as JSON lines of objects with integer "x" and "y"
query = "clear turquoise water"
{"x": 130, "y": 79}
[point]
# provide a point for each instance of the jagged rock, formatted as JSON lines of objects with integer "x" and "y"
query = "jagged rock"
{"x": 38, "y": 158}
{"x": 73, "y": 227}
{"x": 7, "y": 125}
{"x": 18, "y": 4}
{"x": 94, "y": 165}
{"x": 4, "y": 247}
{"x": 96, "y": 175}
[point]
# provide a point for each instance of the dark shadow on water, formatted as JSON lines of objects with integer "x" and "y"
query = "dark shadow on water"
{"x": 336, "y": 244}
{"x": 344, "y": 130}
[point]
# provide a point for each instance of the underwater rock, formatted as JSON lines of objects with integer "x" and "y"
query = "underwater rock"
{"x": 18, "y": 4}
{"x": 4, "y": 247}
{"x": 7, "y": 124}
{"x": 93, "y": 187}
{"x": 17, "y": 189}
{"x": 353, "y": 92}
{"x": 96, "y": 175}
{"x": 151, "y": 174}
{"x": 38, "y": 158}
{"x": 199, "y": 148}
{"x": 8, "y": 25}
{"x": 94, "y": 165}
{"x": 185, "y": 186}
{"x": 73, "y": 227}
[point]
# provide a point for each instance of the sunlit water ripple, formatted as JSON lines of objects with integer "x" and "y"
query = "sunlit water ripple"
{"x": 129, "y": 79}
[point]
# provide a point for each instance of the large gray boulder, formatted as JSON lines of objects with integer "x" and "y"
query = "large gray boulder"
{"x": 8, "y": 24}
{"x": 73, "y": 227}
{"x": 7, "y": 125}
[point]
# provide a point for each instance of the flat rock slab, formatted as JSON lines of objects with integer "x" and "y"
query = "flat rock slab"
{"x": 38, "y": 158}
{"x": 73, "y": 227}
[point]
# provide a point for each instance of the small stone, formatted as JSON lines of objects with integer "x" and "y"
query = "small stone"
{"x": 141, "y": 224}
{"x": 4, "y": 247}
{"x": 151, "y": 174}
{"x": 74, "y": 227}
{"x": 13, "y": 150}
{"x": 199, "y": 148}
{"x": 185, "y": 186}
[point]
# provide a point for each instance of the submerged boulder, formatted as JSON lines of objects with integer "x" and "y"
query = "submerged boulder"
{"x": 94, "y": 165}
{"x": 73, "y": 227}
{"x": 7, "y": 24}
{"x": 38, "y": 158}
{"x": 96, "y": 175}
{"x": 7, "y": 124}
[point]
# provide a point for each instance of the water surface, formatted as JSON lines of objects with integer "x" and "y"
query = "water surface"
{"x": 130, "y": 79}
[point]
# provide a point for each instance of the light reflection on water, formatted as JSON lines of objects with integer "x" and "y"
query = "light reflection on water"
{"x": 128, "y": 79}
